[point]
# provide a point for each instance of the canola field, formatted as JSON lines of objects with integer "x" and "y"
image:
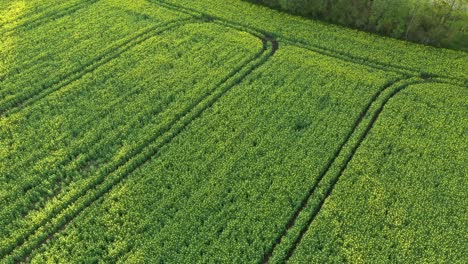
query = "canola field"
{"x": 181, "y": 131}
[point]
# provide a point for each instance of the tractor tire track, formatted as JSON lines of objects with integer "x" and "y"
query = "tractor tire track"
{"x": 18, "y": 103}
{"x": 378, "y": 65}
{"x": 407, "y": 73}
{"x": 110, "y": 177}
{"x": 292, "y": 221}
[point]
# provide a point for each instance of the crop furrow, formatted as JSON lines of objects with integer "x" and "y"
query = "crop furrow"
{"x": 326, "y": 186}
{"x": 139, "y": 38}
{"x": 349, "y": 58}
{"x": 87, "y": 122}
{"x": 109, "y": 114}
{"x": 315, "y": 48}
{"x": 80, "y": 153}
{"x": 405, "y": 71}
{"x": 15, "y": 105}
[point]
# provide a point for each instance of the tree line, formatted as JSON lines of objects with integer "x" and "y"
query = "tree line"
{"x": 440, "y": 23}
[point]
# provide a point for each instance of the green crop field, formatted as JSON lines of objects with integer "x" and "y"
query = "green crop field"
{"x": 181, "y": 131}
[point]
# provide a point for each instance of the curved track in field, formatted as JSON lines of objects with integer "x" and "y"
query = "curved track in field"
{"x": 60, "y": 217}
{"x": 292, "y": 221}
{"x": 361, "y": 134}
{"x": 310, "y": 205}
{"x": 380, "y": 98}
{"x": 403, "y": 70}
{"x": 312, "y": 202}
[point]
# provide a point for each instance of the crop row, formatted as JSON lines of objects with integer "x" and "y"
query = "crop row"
{"x": 333, "y": 52}
{"x": 235, "y": 174}
{"x": 97, "y": 152}
{"x": 17, "y": 157}
{"x": 114, "y": 52}
{"x": 28, "y": 188}
{"x": 74, "y": 39}
{"x": 404, "y": 71}
{"x": 132, "y": 147}
{"x": 315, "y": 48}
{"x": 399, "y": 198}
{"x": 30, "y": 42}
{"x": 89, "y": 67}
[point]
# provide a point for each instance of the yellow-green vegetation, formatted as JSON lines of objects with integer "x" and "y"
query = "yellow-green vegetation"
{"x": 203, "y": 131}
{"x": 402, "y": 197}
